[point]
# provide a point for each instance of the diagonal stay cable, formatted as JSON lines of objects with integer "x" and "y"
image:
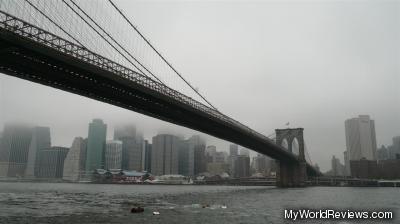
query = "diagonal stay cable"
{"x": 54, "y": 23}
{"x": 105, "y": 39}
{"x": 159, "y": 54}
{"x": 116, "y": 42}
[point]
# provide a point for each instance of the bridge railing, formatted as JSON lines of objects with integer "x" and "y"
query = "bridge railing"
{"x": 34, "y": 33}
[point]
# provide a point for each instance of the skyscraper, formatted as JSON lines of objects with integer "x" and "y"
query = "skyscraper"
{"x": 113, "y": 154}
{"x": 124, "y": 131}
{"x": 192, "y": 156}
{"x": 14, "y": 149}
{"x": 337, "y": 167}
{"x": 164, "y": 154}
{"x": 360, "y": 138}
{"x": 396, "y": 147}
{"x": 40, "y": 140}
{"x": 262, "y": 164}
{"x": 244, "y": 152}
{"x": 233, "y": 150}
{"x": 185, "y": 159}
{"x": 147, "y": 158}
{"x": 198, "y": 145}
{"x": 51, "y": 162}
{"x": 96, "y": 144}
{"x": 241, "y": 166}
{"x": 133, "y": 147}
{"x": 74, "y": 164}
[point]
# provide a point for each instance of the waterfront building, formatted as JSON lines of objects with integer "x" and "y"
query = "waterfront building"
{"x": 95, "y": 145}
{"x": 113, "y": 155}
{"x": 360, "y": 138}
{"x": 51, "y": 162}
{"x": 389, "y": 169}
{"x": 364, "y": 169}
{"x": 14, "y": 150}
{"x": 74, "y": 163}
{"x": 217, "y": 168}
{"x": 164, "y": 154}
{"x": 40, "y": 140}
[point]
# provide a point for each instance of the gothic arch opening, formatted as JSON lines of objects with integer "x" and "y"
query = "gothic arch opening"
{"x": 295, "y": 146}
{"x": 285, "y": 144}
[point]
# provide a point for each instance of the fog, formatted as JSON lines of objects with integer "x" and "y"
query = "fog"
{"x": 264, "y": 63}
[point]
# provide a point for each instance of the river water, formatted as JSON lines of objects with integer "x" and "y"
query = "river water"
{"x": 98, "y": 203}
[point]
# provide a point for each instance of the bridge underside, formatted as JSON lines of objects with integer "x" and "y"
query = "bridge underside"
{"x": 26, "y": 59}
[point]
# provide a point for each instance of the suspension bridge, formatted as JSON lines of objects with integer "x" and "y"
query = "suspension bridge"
{"x": 93, "y": 49}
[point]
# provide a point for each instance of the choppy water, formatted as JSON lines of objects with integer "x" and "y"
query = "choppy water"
{"x": 95, "y": 203}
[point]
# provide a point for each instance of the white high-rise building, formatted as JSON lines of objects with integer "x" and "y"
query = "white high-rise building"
{"x": 74, "y": 164}
{"x": 360, "y": 139}
{"x": 113, "y": 154}
{"x": 40, "y": 140}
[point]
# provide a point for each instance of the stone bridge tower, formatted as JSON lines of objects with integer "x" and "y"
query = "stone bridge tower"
{"x": 291, "y": 174}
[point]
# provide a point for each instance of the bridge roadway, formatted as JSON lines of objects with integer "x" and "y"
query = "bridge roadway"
{"x": 31, "y": 53}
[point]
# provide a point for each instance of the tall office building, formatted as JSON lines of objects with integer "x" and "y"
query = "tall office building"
{"x": 124, "y": 131}
{"x": 211, "y": 149}
{"x": 147, "y": 158}
{"x": 233, "y": 150}
{"x": 241, "y": 167}
{"x": 198, "y": 145}
{"x": 233, "y": 153}
{"x": 338, "y": 169}
{"x": 396, "y": 147}
{"x": 185, "y": 159}
{"x": 14, "y": 150}
{"x": 51, "y": 162}
{"x": 164, "y": 154}
{"x": 74, "y": 163}
{"x": 262, "y": 164}
{"x": 133, "y": 147}
{"x": 192, "y": 156}
{"x": 96, "y": 144}
{"x": 113, "y": 155}
{"x": 360, "y": 138}
{"x": 244, "y": 152}
{"x": 40, "y": 140}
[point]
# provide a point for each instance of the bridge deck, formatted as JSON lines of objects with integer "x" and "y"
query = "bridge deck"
{"x": 30, "y": 53}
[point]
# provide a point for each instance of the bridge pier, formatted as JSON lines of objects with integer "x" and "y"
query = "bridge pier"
{"x": 291, "y": 174}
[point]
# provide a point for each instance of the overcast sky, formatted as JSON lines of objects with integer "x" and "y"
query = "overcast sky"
{"x": 265, "y": 63}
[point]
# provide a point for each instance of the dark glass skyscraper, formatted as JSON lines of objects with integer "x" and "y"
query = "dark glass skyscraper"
{"x": 14, "y": 150}
{"x": 51, "y": 162}
{"x": 96, "y": 145}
